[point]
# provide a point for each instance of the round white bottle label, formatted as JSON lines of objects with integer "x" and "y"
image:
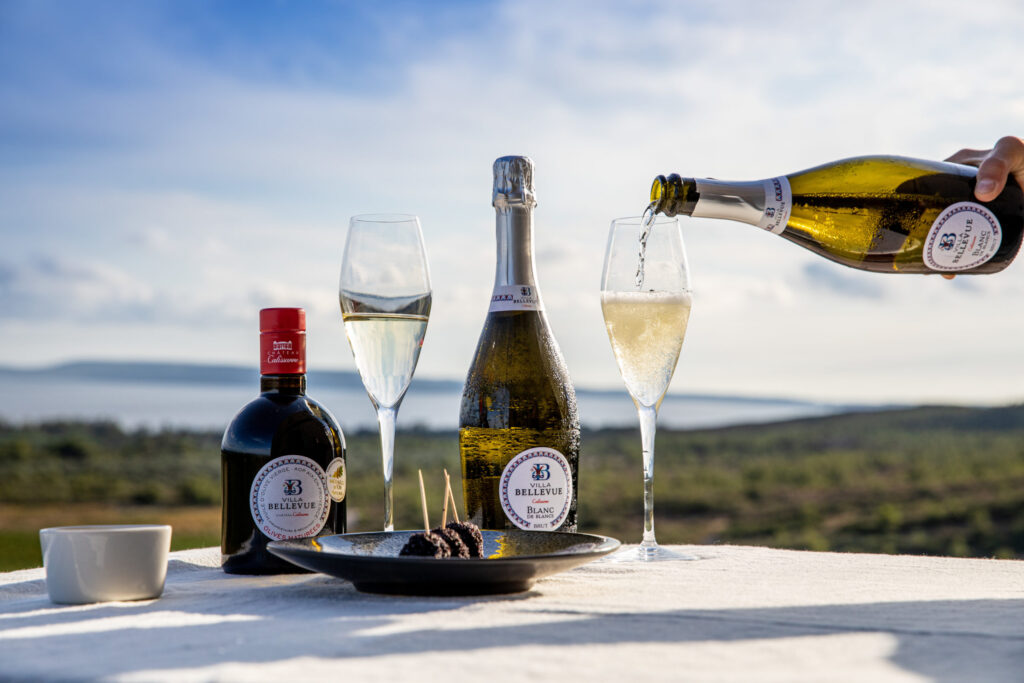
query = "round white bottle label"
{"x": 337, "y": 479}
{"x": 536, "y": 489}
{"x": 290, "y": 498}
{"x": 964, "y": 236}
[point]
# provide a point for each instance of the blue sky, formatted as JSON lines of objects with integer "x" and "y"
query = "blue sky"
{"x": 167, "y": 169}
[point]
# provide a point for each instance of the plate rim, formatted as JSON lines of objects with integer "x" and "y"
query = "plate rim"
{"x": 605, "y": 546}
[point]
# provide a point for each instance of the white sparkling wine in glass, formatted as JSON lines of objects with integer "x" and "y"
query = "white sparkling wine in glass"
{"x": 384, "y": 291}
{"x": 386, "y": 335}
{"x": 646, "y": 299}
{"x": 646, "y": 330}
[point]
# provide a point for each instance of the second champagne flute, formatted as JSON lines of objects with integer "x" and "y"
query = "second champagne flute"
{"x": 645, "y": 298}
{"x": 385, "y": 303}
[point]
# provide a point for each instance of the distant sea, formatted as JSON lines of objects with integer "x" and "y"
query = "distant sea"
{"x": 156, "y": 395}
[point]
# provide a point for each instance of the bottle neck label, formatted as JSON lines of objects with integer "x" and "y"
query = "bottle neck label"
{"x": 536, "y": 489}
{"x": 515, "y": 298}
{"x": 764, "y": 203}
{"x": 290, "y": 498}
{"x": 283, "y": 352}
{"x": 778, "y": 205}
{"x": 964, "y": 236}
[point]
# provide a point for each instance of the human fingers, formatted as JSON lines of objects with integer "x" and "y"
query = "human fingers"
{"x": 1004, "y": 160}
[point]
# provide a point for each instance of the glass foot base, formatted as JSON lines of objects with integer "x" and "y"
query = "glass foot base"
{"x": 649, "y": 553}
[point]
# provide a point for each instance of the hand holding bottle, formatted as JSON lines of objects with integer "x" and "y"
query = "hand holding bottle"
{"x": 995, "y": 166}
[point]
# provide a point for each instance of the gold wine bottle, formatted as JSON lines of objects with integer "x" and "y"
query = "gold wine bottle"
{"x": 885, "y": 214}
{"x": 519, "y": 434}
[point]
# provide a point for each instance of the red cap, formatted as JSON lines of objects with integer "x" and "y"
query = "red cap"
{"x": 273, "y": 319}
{"x": 282, "y": 341}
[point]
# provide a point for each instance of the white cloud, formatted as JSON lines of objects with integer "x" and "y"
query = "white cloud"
{"x": 198, "y": 188}
{"x": 47, "y": 288}
{"x": 826, "y": 278}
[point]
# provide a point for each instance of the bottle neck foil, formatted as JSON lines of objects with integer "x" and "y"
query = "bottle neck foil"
{"x": 514, "y": 234}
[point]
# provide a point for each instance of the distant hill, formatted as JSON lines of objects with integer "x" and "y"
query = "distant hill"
{"x": 221, "y": 375}
{"x": 188, "y": 373}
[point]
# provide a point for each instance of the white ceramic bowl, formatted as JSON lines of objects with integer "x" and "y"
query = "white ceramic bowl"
{"x": 103, "y": 562}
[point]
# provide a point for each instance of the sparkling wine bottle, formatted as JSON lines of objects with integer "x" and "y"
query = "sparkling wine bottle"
{"x": 283, "y": 470}
{"x": 879, "y": 213}
{"x": 519, "y": 434}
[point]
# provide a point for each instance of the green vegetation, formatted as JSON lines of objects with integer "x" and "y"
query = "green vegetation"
{"x": 945, "y": 481}
{"x": 941, "y": 481}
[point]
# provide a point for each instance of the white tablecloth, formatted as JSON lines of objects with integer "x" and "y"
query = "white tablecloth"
{"x": 738, "y": 614}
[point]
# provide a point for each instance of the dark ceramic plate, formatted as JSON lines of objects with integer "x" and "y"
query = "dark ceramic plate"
{"x": 514, "y": 561}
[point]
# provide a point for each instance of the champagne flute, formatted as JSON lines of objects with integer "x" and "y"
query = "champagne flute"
{"x": 645, "y": 298}
{"x": 385, "y": 303}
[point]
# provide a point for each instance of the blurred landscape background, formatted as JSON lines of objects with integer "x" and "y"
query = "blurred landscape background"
{"x": 938, "y": 480}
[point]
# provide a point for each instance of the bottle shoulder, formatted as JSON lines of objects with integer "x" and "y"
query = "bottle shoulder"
{"x": 268, "y": 417}
{"x": 321, "y": 412}
{"x": 518, "y": 376}
{"x": 518, "y": 346}
{"x": 884, "y": 177}
{"x": 894, "y": 161}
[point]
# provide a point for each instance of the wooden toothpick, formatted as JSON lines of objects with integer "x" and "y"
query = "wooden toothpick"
{"x": 444, "y": 510}
{"x": 448, "y": 494}
{"x": 423, "y": 499}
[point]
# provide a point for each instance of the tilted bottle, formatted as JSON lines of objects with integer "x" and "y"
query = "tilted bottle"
{"x": 283, "y": 471}
{"x": 884, "y": 214}
{"x": 519, "y": 434}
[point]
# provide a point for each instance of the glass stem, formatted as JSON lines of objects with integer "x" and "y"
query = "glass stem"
{"x": 386, "y": 420}
{"x": 648, "y": 426}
